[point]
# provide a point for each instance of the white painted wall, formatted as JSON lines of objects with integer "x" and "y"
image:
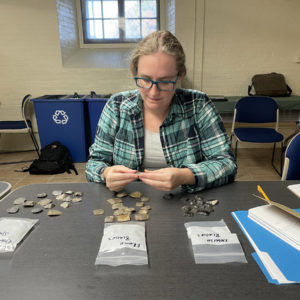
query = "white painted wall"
{"x": 226, "y": 42}
{"x": 242, "y": 38}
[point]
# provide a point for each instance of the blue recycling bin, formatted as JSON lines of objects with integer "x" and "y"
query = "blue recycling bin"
{"x": 95, "y": 105}
{"x": 62, "y": 118}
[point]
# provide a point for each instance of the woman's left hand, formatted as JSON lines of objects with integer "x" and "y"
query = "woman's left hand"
{"x": 168, "y": 178}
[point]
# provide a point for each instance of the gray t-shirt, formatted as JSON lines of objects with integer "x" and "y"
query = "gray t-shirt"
{"x": 154, "y": 156}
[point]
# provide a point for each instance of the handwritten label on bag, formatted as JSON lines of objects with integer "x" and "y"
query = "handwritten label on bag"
{"x": 5, "y": 242}
{"x": 12, "y": 231}
{"x": 123, "y": 236}
{"x": 212, "y": 236}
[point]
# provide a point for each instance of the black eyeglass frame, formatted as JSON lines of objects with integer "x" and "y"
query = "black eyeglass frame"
{"x": 156, "y": 82}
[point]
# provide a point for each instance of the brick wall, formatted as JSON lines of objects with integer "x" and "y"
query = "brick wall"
{"x": 68, "y": 31}
{"x": 226, "y": 42}
{"x": 170, "y": 15}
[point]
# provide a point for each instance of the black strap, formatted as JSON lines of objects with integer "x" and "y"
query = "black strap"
{"x": 73, "y": 168}
{"x": 289, "y": 90}
{"x": 249, "y": 90}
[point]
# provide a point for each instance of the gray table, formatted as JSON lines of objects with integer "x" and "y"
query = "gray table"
{"x": 56, "y": 260}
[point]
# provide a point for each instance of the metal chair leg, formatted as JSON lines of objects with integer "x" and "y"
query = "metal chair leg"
{"x": 235, "y": 150}
{"x": 35, "y": 143}
{"x": 279, "y": 172}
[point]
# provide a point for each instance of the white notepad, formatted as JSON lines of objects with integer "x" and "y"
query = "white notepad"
{"x": 295, "y": 188}
{"x": 279, "y": 222}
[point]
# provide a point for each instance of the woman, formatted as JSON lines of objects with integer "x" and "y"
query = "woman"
{"x": 161, "y": 134}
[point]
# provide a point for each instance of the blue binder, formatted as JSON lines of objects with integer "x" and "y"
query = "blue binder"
{"x": 286, "y": 257}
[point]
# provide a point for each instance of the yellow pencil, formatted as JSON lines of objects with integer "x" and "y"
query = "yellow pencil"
{"x": 259, "y": 188}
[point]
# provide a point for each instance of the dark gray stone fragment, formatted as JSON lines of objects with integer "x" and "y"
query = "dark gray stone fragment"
{"x": 188, "y": 214}
{"x": 41, "y": 195}
{"x": 13, "y": 210}
{"x": 56, "y": 192}
{"x": 212, "y": 202}
{"x": 203, "y": 213}
{"x": 198, "y": 198}
{"x": 37, "y": 210}
{"x": 168, "y": 196}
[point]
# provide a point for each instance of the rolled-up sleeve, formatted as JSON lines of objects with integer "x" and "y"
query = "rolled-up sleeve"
{"x": 101, "y": 151}
{"x": 218, "y": 166}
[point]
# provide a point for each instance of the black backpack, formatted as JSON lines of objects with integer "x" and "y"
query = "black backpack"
{"x": 55, "y": 158}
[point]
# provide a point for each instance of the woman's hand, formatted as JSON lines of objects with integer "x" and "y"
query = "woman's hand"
{"x": 117, "y": 177}
{"x": 168, "y": 178}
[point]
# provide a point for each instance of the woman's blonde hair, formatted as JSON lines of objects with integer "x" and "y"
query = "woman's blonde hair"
{"x": 157, "y": 41}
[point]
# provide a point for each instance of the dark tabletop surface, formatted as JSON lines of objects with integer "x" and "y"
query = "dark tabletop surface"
{"x": 57, "y": 259}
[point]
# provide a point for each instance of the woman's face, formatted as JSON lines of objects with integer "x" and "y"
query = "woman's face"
{"x": 157, "y": 66}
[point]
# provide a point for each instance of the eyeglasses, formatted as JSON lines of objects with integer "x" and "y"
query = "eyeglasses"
{"x": 162, "y": 85}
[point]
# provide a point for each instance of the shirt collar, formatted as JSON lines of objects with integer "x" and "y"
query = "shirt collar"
{"x": 177, "y": 109}
{"x": 134, "y": 105}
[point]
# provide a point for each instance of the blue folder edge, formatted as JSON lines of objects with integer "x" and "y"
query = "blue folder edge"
{"x": 286, "y": 257}
{"x": 263, "y": 269}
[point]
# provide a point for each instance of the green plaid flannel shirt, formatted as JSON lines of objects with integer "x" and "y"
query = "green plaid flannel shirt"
{"x": 192, "y": 136}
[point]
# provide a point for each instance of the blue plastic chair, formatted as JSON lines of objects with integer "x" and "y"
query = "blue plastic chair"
{"x": 291, "y": 169}
{"x": 20, "y": 126}
{"x": 258, "y": 110}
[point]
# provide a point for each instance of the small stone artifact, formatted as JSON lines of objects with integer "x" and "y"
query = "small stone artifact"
{"x": 168, "y": 196}
{"x": 69, "y": 192}
{"x": 98, "y": 212}
{"x": 117, "y": 206}
{"x": 139, "y": 204}
{"x": 109, "y": 219}
{"x": 112, "y": 201}
{"x": 61, "y": 196}
{"x": 41, "y": 195}
{"x": 44, "y": 202}
{"x": 213, "y": 202}
{"x": 78, "y": 194}
{"x": 53, "y": 212}
{"x": 135, "y": 194}
{"x": 131, "y": 209}
{"x": 28, "y": 203}
{"x": 65, "y": 204}
{"x": 37, "y": 210}
{"x": 76, "y": 199}
{"x": 147, "y": 207}
{"x": 121, "y": 194}
{"x": 141, "y": 217}
{"x": 13, "y": 210}
{"x": 123, "y": 218}
{"x": 49, "y": 206}
{"x": 19, "y": 201}
{"x": 120, "y": 211}
{"x": 56, "y": 192}
{"x": 145, "y": 199}
{"x": 68, "y": 198}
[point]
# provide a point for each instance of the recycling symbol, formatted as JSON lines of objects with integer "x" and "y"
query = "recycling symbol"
{"x": 60, "y": 117}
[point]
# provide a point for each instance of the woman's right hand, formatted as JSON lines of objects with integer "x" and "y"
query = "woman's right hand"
{"x": 117, "y": 177}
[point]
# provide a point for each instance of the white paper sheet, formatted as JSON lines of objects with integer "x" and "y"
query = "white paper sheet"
{"x": 279, "y": 222}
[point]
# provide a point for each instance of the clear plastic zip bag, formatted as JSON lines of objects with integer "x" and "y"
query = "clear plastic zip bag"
{"x": 212, "y": 242}
{"x": 13, "y": 231}
{"x": 123, "y": 244}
